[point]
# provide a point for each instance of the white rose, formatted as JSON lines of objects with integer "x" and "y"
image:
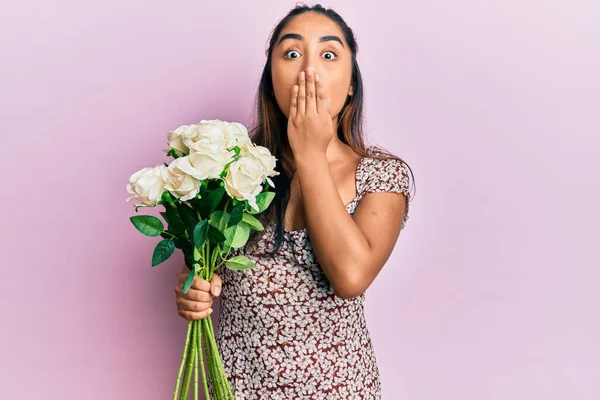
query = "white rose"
{"x": 264, "y": 156}
{"x": 227, "y": 134}
{"x": 178, "y": 183}
{"x": 211, "y": 131}
{"x": 175, "y": 139}
{"x": 147, "y": 185}
{"x": 206, "y": 160}
{"x": 244, "y": 179}
{"x": 236, "y": 134}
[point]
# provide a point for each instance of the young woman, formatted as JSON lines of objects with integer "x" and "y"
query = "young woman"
{"x": 294, "y": 327}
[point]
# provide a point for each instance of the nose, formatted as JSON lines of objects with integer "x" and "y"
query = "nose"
{"x": 309, "y": 61}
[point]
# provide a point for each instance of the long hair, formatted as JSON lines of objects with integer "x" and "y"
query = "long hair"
{"x": 270, "y": 124}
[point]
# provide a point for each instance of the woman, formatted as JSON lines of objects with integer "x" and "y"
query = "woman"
{"x": 294, "y": 327}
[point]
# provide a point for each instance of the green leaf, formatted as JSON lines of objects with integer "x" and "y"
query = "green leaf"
{"x": 188, "y": 215}
{"x": 219, "y": 219}
{"x": 196, "y": 255}
{"x": 163, "y": 250}
{"x": 173, "y": 218}
{"x": 263, "y": 201}
{"x": 185, "y": 246}
{"x": 200, "y": 233}
{"x": 240, "y": 263}
{"x": 196, "y": 204}
{"x": 188, "y": 256}
{"x": 215, "y": 218}
{"x": 215, "y": 235}
{"x": 147, "y": 224}
{"x": 252, "y": 222}
{"x": 188, "y": 281}
{"x": 179, "y": 243}
{"x": 213, "y": 198}
{"x": 236, "y": 236}
{"x": 236, "y": 213}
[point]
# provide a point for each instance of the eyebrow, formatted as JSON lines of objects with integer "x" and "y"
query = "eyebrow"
{"x": 323, "y": 39}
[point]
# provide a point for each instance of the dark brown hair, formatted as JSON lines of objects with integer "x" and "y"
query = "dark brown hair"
{"x": 270, "y": 125}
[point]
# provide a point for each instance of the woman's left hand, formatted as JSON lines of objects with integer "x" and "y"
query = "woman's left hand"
{"x": 310, "y": 124}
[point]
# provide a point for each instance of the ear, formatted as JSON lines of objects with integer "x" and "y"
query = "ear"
{"x": 350, "y": 92}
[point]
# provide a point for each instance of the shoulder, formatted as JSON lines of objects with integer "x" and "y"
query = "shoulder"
{"x": 385, "y": 172}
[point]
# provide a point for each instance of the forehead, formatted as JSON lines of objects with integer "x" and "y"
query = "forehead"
{"x": 313, "y": 25}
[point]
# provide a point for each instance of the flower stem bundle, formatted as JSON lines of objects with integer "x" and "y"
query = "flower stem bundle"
{"x": 211, "y": 193}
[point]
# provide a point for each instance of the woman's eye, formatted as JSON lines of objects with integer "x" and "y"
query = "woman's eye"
{"x": 331, "y": 54}
{"x": 289, "y": 53}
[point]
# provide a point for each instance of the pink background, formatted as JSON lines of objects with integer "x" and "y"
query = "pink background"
{"x": 492, "y": 290}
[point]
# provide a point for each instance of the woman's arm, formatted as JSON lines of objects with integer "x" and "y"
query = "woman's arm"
{"x": 350, "y": 250}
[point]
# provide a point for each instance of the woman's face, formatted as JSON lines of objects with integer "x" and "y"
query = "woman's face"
{"x": 312, "y": 40}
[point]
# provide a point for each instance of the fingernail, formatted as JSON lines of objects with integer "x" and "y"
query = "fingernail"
{"x": 302, "y": 75}
{"x": 217, "y": 291}
{"x": 309, "y": 72}
{"x": 317, "y": 77}
{"x": 210, "y": 311}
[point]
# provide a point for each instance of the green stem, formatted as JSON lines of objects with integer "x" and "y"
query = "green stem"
{"x": 223, "y": 259}
{"x": 205, "y": 251}
{"x": 198, "y": 339}
{"x": 213, "y": 259}
{"x": 206, "y": 273}
{"x": 183, "y": 359}
{"x": 213, "y": 371}
{"x": 198, "y": 354}
{"x": 203, "y": 331}
{"x": 170, "y": 234}
{"x": 215, "y": 359}
{"x": 189, "y": 367}
{"x": 218, "y": 363}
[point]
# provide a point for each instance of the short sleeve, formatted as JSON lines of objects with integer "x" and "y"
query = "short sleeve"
{"x": 390, "y": 175}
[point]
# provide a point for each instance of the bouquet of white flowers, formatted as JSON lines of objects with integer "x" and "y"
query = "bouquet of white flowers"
{"x": 211, "y": 192}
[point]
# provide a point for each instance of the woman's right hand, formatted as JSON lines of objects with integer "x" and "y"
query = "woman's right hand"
{"x": 197, "y": 302}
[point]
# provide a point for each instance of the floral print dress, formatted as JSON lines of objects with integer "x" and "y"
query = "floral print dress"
{"x": 283, "y": 333}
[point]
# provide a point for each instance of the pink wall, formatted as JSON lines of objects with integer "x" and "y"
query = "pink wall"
{"x": 492, "y": 290}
